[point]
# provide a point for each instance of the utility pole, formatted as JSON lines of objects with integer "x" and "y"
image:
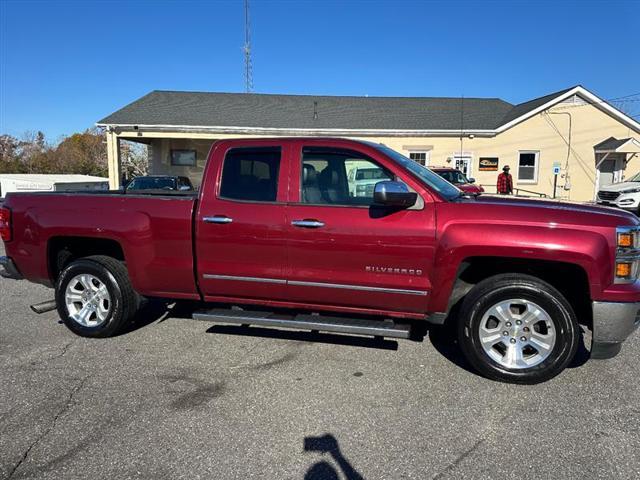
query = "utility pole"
{"x": 248, "y": 73}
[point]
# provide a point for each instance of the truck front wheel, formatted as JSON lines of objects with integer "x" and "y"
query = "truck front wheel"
{"x": 517, "y": 328}
{"x": 95, "y": 297}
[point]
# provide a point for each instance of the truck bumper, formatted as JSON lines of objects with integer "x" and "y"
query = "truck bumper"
{"x": 8, "y": 269}
{"x": 613, "y": 322}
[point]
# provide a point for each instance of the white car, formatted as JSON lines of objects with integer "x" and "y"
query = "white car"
{"x": 362, "y": 180}
{"x": 625, "y": 195}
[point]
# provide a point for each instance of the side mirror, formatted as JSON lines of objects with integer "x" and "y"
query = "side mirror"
{"x": 393, "y": 194}
{"x": 471, "y": 180}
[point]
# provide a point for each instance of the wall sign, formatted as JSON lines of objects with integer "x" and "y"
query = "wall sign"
{"x": 488, "y": 164}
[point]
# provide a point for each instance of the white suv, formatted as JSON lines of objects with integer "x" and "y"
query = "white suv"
{"x": 624, "y": 195}
{"x": 362, "y": 180}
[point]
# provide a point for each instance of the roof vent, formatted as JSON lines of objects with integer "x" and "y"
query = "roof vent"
{"x": 574, "y": 100}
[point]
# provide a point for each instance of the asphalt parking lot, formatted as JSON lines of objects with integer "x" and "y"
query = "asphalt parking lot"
{"x": 176, "y": 398}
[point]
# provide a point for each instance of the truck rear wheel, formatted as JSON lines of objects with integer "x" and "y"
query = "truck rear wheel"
{"x": 95, "y": 298}
{"x": 517, "y": 328}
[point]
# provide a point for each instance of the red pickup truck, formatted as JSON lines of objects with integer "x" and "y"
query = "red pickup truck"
{"x": 277, "y": 234}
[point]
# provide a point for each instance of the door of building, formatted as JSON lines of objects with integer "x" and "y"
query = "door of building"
{"x": 610, "y": 168}
{"x": 463, "y": 163}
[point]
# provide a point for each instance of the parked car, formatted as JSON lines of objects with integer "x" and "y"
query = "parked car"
{"x": 160, "y": 182}
{"x": 275, "y": 226}
{"x": 625, "y": 195}
{"x": 363, "y": 179}
{"x": 459, "y": 179}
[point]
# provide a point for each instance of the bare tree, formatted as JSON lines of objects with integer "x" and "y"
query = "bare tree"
{"x": 135, "y": 158}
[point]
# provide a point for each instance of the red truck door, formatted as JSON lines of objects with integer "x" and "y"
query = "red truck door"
{"x": 240, "y": 244}
{"x": 342, "y": 250}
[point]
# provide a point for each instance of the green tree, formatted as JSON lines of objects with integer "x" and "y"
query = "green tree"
{"x": 9, "y": 146}
{"x": 81, "y": 153}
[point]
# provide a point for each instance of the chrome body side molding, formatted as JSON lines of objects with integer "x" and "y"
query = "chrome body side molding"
{"x": 209, "y": 276}
{"x": 362, "y": 288}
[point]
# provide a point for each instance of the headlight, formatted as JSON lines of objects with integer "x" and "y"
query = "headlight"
{"x": 627, "y": 254}
{"x": 635, "y": 190}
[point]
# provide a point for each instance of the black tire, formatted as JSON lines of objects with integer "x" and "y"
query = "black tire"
{"x": 493, "y": 290}
{"x": 124, "y": 301}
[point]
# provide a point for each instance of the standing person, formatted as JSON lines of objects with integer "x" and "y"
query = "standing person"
{"x": 505, "y": 182}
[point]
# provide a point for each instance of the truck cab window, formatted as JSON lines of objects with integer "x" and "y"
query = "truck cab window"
{"x": 251, "y": 174}
{"x": 339, "y": 177}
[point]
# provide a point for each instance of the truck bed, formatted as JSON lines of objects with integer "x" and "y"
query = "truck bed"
{"x": 154, "y": 232}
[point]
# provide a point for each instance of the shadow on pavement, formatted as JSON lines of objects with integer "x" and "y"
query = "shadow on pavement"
{"x": 323, "y": 470}
{"x": 442, "y": 337}
{"x": 582, "y": 355}
{"x": 158, "y": 311}
{"x": 153, "y": 310}
{"x": 444, "y": 340}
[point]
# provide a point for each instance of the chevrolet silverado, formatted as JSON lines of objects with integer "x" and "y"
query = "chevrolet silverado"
{"x": 278, "y": 235}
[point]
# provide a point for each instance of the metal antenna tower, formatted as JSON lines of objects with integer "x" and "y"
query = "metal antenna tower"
{"x": 248, "y": 71}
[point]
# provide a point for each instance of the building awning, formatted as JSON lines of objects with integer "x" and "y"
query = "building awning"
{"x": 615, "y": 145}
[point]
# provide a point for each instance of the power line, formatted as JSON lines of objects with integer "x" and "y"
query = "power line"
{"x": 600, "y": 102}
{"x": 581, "y": 163}
{"x": 626, "y": 96}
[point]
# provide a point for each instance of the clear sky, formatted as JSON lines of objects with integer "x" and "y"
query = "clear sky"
{"x": 66, "y": 64}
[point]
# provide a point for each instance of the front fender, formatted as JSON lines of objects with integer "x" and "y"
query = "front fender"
{"x": 588, "y": 249}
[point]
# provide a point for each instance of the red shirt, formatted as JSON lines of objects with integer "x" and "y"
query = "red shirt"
{"x": 505, "y": 183}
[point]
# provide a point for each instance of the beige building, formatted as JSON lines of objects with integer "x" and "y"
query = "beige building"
{"x": 573, "y": 134}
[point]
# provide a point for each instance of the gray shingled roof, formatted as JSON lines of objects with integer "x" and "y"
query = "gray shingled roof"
{"x": 611, "y": 143}
{"x": 523, "y": 108}
{"x": 199, "y": 109}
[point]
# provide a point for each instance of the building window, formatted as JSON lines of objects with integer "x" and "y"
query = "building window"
{"x": 183, "y": 158}
{"x": 421, "y": 157}
{"x": 528, "y": 166}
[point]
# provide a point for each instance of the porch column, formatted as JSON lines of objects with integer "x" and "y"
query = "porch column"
{"x": 113, "y": 160}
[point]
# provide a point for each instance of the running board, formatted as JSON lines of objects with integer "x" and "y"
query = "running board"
{"x": 376, "y": 328}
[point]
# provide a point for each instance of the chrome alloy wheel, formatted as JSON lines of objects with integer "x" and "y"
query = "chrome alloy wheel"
{"x": 88, "y": 301}
{"x": 517, "y": 333}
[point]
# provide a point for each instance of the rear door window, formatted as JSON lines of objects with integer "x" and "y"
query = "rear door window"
{"x": 251, "y": 174}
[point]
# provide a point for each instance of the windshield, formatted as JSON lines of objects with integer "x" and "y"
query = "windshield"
{"x": 454, "y": 176}
{"x": 152, "y": 183}
{"x": 432, "y": 180}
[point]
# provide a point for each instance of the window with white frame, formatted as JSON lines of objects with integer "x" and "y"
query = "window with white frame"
{"x": 421, "y": 157}
{"x": 528, "y": 166}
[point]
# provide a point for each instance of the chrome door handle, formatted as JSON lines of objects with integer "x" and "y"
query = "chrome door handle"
{"x": 217, "y": 219}
{"x": 307, "y": 223}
